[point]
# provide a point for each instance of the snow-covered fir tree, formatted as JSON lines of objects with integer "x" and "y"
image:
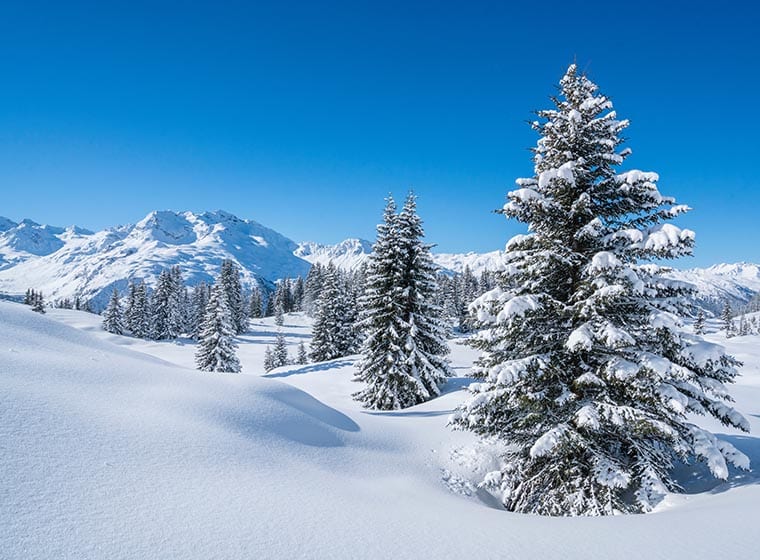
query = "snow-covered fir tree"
{"x": 198, "y": 303}
{"x": 298, "y": 293}
{"x": 302, "y": 357}
{"x": 268, "y": 359}
{"x": 254, "y": 304}
{"x": 404, "y": 350}
{"x": 163, "y": 312}
{"x": 585, "y": 375}
{"x": 279, "y": 314}
{"x": 113, "y": 316}
{"x": 230, "y": 279}
{"x": 280, "y": 351}
{"x": 312, "y": 288}
{"x": 333, "y": 333}
{"x": 216, "y": 349}
{"x": 37, "y": 302}
{"x": 137, "y": 311}
{"x": 727, "y": 318}
{"x": 699, "y": 323}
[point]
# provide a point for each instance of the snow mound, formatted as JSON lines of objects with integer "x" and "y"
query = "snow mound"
{"x": 111, "y": 451}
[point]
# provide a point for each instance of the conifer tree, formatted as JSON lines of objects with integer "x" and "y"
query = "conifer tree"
{"x": 268, "y": 360}
{"x": 585, "y": 375}
{"x": 255, "y": 311}
{"x": 38, "y": 302}
{"x": 198, "y": 303}
{"x": 113, "y": 316}
{"x": 163, "y": 312}
{"x": 404, "y": 349}
{"x": 333, "y": 333}
{"x": 302, "y": 357}
{"x": 216, "y": 344}
{"x": 280, "y": 352}
{"x": 699, "y": 323}
{"x": 312, "y": 289}
{"x": 726, "y": 318}
{"x": 230, "y": 279}
{"x": 279, "y": 317}
{"x": 298, "y": 294}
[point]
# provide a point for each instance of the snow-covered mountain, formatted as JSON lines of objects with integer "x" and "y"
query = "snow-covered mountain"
{"x": 349, "y": 254}
{"x": 65, "y": 262}
{"x": 736, "y": 283}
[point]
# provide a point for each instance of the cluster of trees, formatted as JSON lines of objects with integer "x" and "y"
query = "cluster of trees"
{"x": 457, "y": 292}
{"x": 740, "y": 325}
{"x": 35, "y": 299}
{"x": 171, "y": 309}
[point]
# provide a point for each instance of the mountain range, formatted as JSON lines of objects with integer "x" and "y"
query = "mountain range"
{"x": 64, "y": 262}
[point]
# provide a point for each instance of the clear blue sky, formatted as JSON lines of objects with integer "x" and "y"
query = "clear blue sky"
{"x": 304, "y": 115}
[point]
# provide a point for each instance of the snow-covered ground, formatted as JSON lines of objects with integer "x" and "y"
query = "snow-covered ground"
{"x": 115, "y": 448}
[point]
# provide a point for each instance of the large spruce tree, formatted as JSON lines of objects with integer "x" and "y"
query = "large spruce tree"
{"x": 585, "y": 373}
{"x": 404, "y": 350}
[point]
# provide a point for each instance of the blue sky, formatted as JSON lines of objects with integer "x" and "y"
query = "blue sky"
{"x": 304, "y": 115}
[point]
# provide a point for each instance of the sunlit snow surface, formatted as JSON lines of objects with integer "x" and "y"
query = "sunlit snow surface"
{"x": 115, "y": 448}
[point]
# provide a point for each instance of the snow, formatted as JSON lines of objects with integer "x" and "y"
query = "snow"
{"x": 564, "y": 171}
{"x": 113, "y": 447}
{"x": 75, "y": 261}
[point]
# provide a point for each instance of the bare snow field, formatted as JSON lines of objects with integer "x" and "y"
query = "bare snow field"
{"x": 114, "y": 447}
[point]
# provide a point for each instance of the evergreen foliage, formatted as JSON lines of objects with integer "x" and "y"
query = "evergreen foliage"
{"x": 113, "y": 316}
{"x": 404, "y": 348}
{"x": 216, "y": 349}
{"x": 230, "y": 279}
{"x": 584, "y": 373}
{"x": 699, "y": 323}
{"x": 333, "y": 333}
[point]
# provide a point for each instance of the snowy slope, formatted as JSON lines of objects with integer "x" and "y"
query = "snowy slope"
{"x": 110, "y": 450}
{"x": 63, "y": 263}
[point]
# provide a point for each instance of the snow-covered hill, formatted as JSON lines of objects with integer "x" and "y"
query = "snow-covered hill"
{"x": 114, "y": 448}
{"x": 65, "y": 262}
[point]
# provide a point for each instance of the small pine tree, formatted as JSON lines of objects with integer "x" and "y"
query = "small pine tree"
{"x": 280, "y": 353}
{"x": 268, "y": 360}
{"x": 699, "y": 323}
{"x": 216, "y": 344}
{"x": 279, "y": 318}
{"x": 726, "y": 318}
{"x": 113, "y": 316}
{"x": 302, "y": 357}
